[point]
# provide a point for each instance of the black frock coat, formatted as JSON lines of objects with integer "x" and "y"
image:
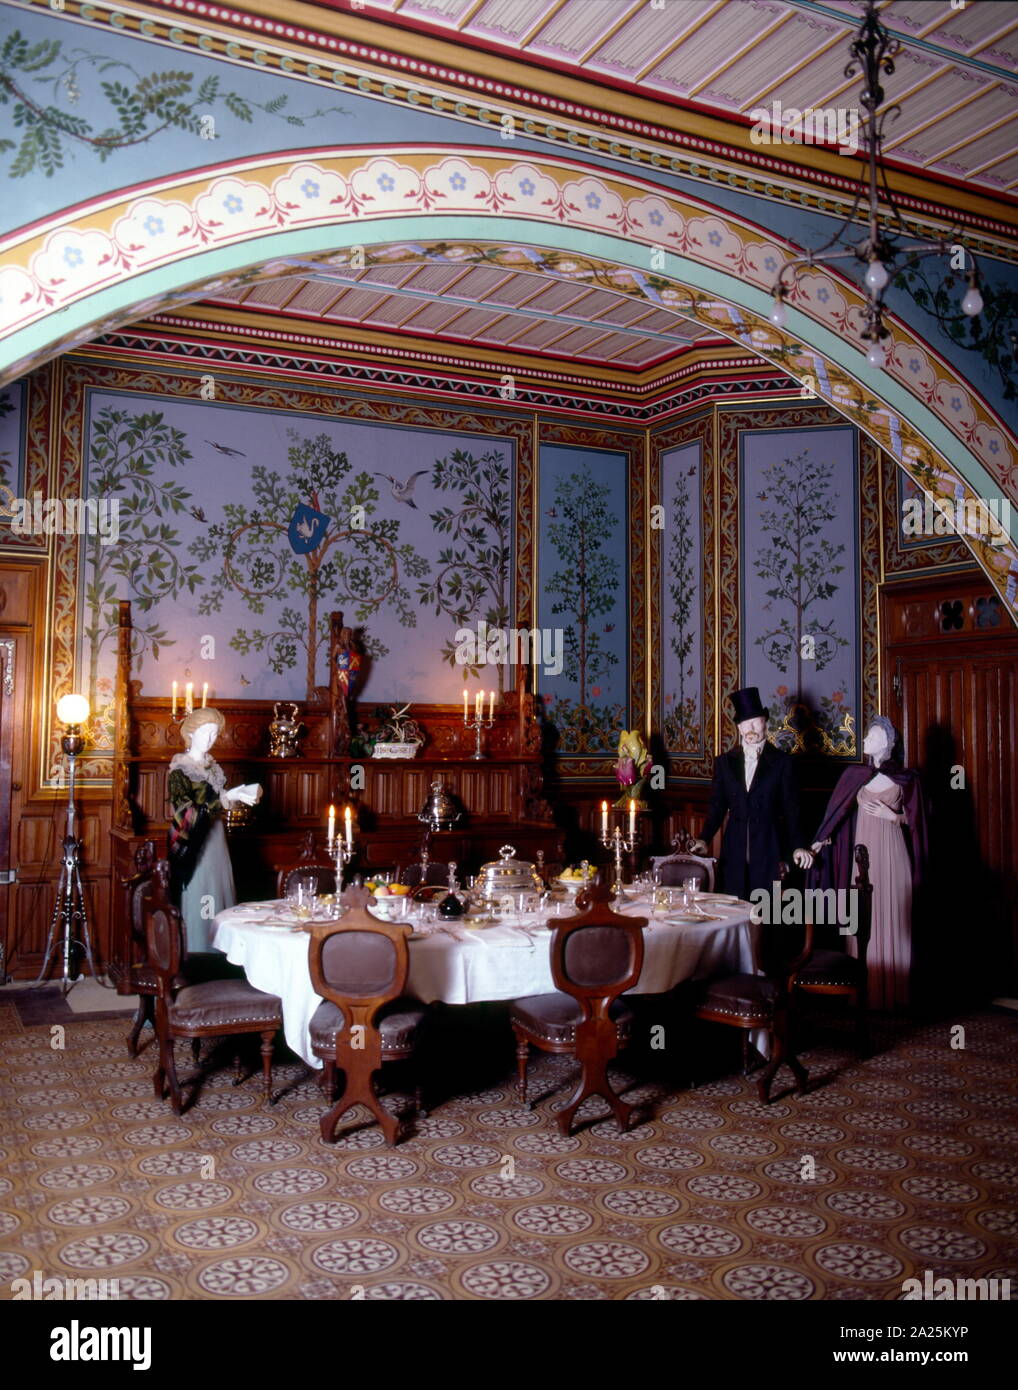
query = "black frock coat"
{"x": 763, "y": 824}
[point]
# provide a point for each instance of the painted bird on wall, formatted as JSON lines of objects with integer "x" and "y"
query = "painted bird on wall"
{"x": 225, "y": 449}
{"x": 404, "y": 492}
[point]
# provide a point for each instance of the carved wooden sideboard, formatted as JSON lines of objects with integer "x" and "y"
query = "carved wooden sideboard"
{"x": 501, "y": 797}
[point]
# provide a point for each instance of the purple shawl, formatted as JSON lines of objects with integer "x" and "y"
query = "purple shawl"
{"x": 835, "y": 864}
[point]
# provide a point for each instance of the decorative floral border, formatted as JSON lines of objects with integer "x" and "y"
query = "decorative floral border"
{"x": 907, "y": 559}
{"x": 67, "y": 261}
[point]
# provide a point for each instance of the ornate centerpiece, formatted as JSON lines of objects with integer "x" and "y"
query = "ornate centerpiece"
{"x": 507, "y": 874}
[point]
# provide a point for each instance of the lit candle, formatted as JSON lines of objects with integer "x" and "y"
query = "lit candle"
{"x": 604, "y": 820}
{"x": 479, "y": 706}
{"x": 189, "y": 696}
{"x": 347, "y": 816}
{"x": 204, "y": 694}
{"x": 466, "y": 716}
{"x": 174, "y": 710}
{"x": 332, "y": 826}
{"x": 491, "y": 706}
{"x": 632, "y": 819}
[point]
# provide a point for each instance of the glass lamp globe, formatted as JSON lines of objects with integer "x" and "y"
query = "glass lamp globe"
{"x": 972, "y": 304}
{"x": 73, "y": 709}
{"x": 779, "y": 315}
{"x": 876, "y": 276}
{"x": 876, "y": 357}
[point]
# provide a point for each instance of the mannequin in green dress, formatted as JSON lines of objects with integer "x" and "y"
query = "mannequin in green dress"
{"x": 198, "y": 852}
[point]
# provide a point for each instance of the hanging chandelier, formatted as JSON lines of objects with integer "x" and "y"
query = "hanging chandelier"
{"x": 882, "y": 248}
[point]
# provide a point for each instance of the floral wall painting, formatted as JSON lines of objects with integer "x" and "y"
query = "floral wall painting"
{"x": 583, "y": 582}
{"x": 800, "y": 584}
{"x": 681, "y": 600}
{"x": 242, "y": 529}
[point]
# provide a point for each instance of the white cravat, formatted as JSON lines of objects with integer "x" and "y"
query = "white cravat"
{"x": 750, "y": 758}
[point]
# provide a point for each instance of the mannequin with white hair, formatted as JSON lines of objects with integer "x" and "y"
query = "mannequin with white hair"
{"x": 879, "y": 805}
{"x": 202, "y": 874}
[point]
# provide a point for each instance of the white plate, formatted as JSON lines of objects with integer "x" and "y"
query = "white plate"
{"x": 728, "y": 898}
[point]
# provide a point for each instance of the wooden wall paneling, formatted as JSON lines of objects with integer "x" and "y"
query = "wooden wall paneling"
{"x": 953, "y": 694}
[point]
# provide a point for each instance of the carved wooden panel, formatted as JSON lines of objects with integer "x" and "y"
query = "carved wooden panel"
{"x": 16, "y": 595}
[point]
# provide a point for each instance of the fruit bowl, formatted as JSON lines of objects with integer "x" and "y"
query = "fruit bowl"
{"x": 389, "y": 909}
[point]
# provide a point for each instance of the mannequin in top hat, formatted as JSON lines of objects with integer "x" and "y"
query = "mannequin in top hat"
{"x": 754, "y": 785}
{"x": 198, "y": 853}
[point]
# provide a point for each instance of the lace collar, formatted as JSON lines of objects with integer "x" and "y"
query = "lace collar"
{"x": 209, "y": 771}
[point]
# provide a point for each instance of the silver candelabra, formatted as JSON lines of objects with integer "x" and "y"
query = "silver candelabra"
{"x": 619, "y": 844}
{"x": 478, "y": 723}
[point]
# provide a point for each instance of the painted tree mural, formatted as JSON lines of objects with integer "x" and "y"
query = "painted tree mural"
{"x": 800, "y": 565}
{"x": 682, "y": 723}
{"x": 129, "y": 460}
{"x": 472, "y": 583}
{"x": 584, "y": 589}
{"x": 359, "y": 563}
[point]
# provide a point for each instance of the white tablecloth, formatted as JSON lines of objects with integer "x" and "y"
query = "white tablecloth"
{"x": 491, "y": 963}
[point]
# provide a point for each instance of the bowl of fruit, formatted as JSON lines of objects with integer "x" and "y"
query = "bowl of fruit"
{"x": 390, "y": 900}
{"x": 572, "y": 880}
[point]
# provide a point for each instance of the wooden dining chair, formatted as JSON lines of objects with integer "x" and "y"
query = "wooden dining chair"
{"x": 762, "y": 1000}
{"x": 309, "y": 861}
{"x": 216, "y": 1008}
{"x": 359, "y": 965}
{"x": 830, "y": 970}
{"x": 673, "y": 869}
{"x": 596, "y": 955}
{"x": 139, "y": 978}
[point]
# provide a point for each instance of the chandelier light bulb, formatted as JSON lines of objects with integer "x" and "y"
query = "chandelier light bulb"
{"x": 972, "y": 304}
{"x": 779, "y": 314}
{"x": 876, "y": 356}
{"x": 876, "y": 275}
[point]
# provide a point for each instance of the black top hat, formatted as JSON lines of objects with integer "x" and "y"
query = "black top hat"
{"x": 746, "y": 704}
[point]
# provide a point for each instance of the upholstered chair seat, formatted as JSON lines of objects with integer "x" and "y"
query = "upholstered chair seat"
{"x": 221, "y": 1004}
{"x": 833, "y": 969}
{"x": 740, "y": 995}
{"x": 554, "y": 1018}
{"x": 399, "y": 1023}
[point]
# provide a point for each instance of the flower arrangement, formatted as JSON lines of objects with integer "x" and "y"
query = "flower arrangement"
{"x": 632, "y": 767}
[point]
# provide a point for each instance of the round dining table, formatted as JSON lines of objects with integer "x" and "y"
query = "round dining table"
{"x": 458, "y": 964}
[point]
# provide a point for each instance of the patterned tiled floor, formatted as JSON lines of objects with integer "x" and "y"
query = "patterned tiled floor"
{"x": 903, "y": 1163}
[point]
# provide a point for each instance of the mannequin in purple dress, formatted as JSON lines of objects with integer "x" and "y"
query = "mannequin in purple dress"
{"x": 879, "y": 805}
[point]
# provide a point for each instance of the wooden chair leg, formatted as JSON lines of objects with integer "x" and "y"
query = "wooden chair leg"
{"x": 862, "y": 1027}
{"x": 195, "y": 1049}
{"x": 268, "y": 1037}
{"x": 389, "y": 1124}
{"x": 143, "y": 1014}
{"x": 522, "y": 1057}
{"x": 419, "y": 1100}
{"x": 168, "y": 1069}
{"x": 594, "y": 1082}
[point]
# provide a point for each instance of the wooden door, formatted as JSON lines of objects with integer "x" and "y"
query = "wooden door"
{"x": 8, "y": 674}
{"x": 950, "y": 683}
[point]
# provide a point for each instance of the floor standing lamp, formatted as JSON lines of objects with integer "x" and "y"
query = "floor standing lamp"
{"x": 69, "y": 927}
